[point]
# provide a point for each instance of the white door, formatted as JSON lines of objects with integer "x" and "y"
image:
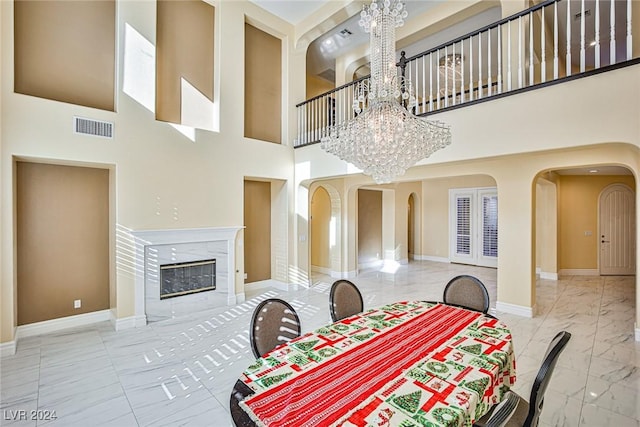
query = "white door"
{"x": 617, "y": 230}
{"x": 474, "y": 226}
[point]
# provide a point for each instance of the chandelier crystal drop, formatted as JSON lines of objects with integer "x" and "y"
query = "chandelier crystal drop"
{"x": 384, "y": 138}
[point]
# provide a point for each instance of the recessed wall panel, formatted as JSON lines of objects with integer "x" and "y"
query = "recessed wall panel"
{"x": 65, "y": 51}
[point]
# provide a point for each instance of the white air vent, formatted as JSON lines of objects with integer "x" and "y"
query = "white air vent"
{"x": 93, "y": 127}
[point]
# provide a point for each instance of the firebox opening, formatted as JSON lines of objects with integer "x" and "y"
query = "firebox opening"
{"x": 184, "y": 278}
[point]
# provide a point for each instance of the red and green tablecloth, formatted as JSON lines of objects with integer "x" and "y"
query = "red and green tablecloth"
{"x": 405, "y": 364}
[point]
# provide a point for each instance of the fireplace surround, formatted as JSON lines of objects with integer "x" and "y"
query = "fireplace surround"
{"x": 156, "y": 248}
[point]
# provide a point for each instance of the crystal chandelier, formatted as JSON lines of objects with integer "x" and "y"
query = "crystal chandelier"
{"x": 384, "y": 138}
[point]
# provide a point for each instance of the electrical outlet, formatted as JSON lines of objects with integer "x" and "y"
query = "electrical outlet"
{"x": 246, "y": 276}
{"x": 77, "y": 303}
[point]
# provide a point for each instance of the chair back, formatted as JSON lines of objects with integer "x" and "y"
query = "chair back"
{"x": 274, "y": 322}
{"x": 344, "y": 300}
{"x": 502, "y": 413}
{"x": 536, "y": 400}
{"x": 468, "y": 292}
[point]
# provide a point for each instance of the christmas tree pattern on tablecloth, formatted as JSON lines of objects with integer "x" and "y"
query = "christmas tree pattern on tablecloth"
{"x": 306, "y": 346}
{"x": 408, "y": 402}
{"x": 479, "y": 385}
{"x": 473, "y": 348}
{"x": 269, "y": 381}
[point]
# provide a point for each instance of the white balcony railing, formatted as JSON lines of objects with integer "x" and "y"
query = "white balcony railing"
{"x": 550, "y": 42}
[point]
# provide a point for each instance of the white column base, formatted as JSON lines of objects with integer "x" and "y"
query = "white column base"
{"x": 128, "y": 322}
{"x": 518, "y": 310}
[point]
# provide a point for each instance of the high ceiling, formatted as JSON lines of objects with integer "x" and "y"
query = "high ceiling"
{"x": 292, "y": 11}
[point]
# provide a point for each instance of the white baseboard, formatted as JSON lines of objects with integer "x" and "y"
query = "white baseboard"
{"x": 271, "y": 283}
{"x": 240, "y": 298}
{"x": 432, "y": 258}
{"x": 371, "y": 264}
{"x": 548, "y": 276}
{"x": 55, "y": 325}
{"x": 579, "y": 272}
{"x": 518, "y": 310}
{"x": 403, "y": 261}
{"x": 319, "y": 269}
{"x": 128, "y": 322}
{"x": 9, "y": 348}
{"x": 637, "y": 333}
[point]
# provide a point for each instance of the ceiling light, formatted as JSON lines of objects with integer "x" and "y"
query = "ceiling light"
{"x": 593, "y": 171}
{"x": 384, "y": 138}
{"x": 328, "y": 42}
{"x": 593, "y": 43}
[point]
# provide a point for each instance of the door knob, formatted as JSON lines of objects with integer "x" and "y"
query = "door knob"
{"x": 605, "y": 241}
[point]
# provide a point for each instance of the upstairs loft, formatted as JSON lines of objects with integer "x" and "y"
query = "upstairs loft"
{"x": 550, "y": 43}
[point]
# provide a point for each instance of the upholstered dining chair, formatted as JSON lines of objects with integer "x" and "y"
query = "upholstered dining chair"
{"x": 344, "y": 300}
{"x": 274, "y": 322}
{"x": 468, "y": 292}
{"x": 527, "y": 414}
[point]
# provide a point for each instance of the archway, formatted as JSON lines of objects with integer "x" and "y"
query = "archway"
{"x": 325, "y": 231}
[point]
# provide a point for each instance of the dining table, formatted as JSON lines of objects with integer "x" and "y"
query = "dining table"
{"x": 408, "y": 363}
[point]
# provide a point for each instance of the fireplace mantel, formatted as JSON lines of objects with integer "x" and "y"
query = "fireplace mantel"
{"x": 148, "y": 239}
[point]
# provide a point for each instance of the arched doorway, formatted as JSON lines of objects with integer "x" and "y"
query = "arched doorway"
{"x": 325, "y": 233}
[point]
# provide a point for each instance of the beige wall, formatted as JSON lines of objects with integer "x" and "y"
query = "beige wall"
{"x": 435, "y": 208}
{"x": 262, "y": 85}
{"x": 185, "y": 50}
{"x": 317, "y": 86}
{"x": 257, "y": 234}
{"x": 62, "y": 240}
{"x": 547, "y": 225}
{"x": 578, "y": 213}
{"x": 369, "y": 226}
{"x": 65, "y": 51}
{"x": 162, "y": 178}
{"x": 320, "y": 221}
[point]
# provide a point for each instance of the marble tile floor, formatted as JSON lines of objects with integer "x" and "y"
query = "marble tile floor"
{"x": 180, "y": 371}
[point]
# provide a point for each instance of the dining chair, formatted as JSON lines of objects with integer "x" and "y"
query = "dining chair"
{"x": 503, "y": 411}
{"x": 527, "y": 414}
{"x": 468, "y": 292}
{"x": 274, "y": 322}
{"x": 344, "y": 300}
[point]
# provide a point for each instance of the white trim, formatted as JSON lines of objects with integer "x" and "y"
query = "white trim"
{"x": 240, "y": 298}
{"x": 548, "y": 276}
{"x": 9, "y": 348}
{"x": 538, "y": 270}
{"x": 323, "y": 270}
{"x": 403, "y": 261}
{"x": 127, "y": 322}
{"x": 61, "y": 323}
{"x": 432, "y": 258}
{"x": 579, "y": 272}
{"x": 518, "y": 310}
{"x": 637, "y": 334}
{"x": 349, "y": 274}
{"x": 371, "y": 264}
{"x": 271, "y": 283}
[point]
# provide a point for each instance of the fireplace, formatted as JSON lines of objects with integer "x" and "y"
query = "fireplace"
{"x": 183, "y": 278}
{"x": 179, "y": 248}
